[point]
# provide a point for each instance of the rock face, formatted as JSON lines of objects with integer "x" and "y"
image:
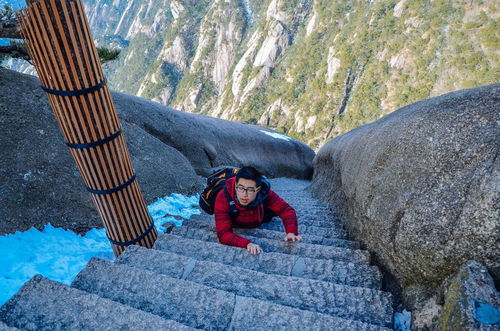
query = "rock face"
{"x": 420, "y": 187}
{"x": 169, "y": 149}
{"x": 471, "y": 301}
{"x": 40, "y": 181}
{"x": 209, "y": 142}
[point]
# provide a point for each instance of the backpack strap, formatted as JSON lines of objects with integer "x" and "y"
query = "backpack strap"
{"x": 233, "y": 211}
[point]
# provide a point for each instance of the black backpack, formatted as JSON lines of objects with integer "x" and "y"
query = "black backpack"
{"x": 215, "y": 182}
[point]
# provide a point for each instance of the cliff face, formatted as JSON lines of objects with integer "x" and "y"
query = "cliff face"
{"x": 311, "y": 69}
{"x": 419, "y": 187}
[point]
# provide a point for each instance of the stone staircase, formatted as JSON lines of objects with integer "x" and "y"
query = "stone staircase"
{"x": 190, "y": 281}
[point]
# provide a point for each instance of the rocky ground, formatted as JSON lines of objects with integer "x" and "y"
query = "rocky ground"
{"x": 188, "y": 280}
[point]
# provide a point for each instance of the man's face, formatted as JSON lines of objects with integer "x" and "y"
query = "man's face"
{"x": 246, "y": 191}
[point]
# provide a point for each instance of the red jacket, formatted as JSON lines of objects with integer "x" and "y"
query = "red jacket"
{"x": 250, "y": 216}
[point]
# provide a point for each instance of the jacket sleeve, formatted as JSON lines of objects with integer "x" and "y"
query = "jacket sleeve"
{"x": 223, "y": 224}
{"x": 282, "y": 209}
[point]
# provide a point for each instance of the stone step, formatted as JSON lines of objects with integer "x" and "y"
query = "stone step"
{"x": 5, "y": 327}
{"x": 340, "y": 272}
{"x": 289, "y": 183}
{"x": 310, "y": 203}
{"x": 318, "y": 221}
{"x": 316, "y": 214}
{"x": 174, "y": 299}
{"x": 307, "y": 220}
{"x": 320, "y": 228}
{"x": 42, "y": 304}
{"x": 308, "y": 229}
{"x": 299, "y": 197}
{"x": 197, "y": 305}
{"x": 302, "y": 207}
{"x": 348, "y": 302}
{"x": 192, "y": 226}
{"x": 280, "y": 246}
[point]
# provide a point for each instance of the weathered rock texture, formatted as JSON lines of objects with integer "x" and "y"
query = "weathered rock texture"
{"x": 169, "y": 149}
{"x": 471, "y": 301}
{"x": 40, "y": 181}
{"x": 209, "y": 142}
{"x": 420, "y": 187}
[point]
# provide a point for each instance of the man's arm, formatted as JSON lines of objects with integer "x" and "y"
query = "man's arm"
{"x": 286, "y": 212}
{"x": 223, "y": 224}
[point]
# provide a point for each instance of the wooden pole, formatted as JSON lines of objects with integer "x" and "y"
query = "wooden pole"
{"x": 58, "y": 39}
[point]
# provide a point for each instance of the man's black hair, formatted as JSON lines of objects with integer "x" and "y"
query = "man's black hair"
{"x": 249, "y": 173}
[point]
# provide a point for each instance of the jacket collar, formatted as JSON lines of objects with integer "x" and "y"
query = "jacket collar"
{"x": 261, "y": 195}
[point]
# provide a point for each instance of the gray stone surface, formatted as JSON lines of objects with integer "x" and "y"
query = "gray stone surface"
{"x": 340, "y": 272}
{"x": 207, "y": 285}
{"x": 209, "y": 142}
{"x": 304, "y": 219}
{"x": 284, "y": 185}
{"x": 40, "y": 181}
{"x": 349, "y": 302}
{"x": 420, "y": 186}
{"x": 174, "y": 299}
{"x": 42, "y": 304}
{"x": 194, "y": 304}
{"x": 5, "y": 327}
{"x": 206, "y": 228}
{"x": 468, "y": 296}
{"x": 251, "y": 314}
{"x": 333, "y": 232}
{"x": 280, "y": 246}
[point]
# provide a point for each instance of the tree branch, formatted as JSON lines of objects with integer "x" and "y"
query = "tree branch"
{"x": 10, "y": 28}
{"x": 15, "y": 51}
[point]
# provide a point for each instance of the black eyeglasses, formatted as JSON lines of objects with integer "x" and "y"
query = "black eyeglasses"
{"x": 250, "y": 190}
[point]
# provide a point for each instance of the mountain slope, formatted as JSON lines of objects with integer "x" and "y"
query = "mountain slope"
{"x": 312, "y": 69}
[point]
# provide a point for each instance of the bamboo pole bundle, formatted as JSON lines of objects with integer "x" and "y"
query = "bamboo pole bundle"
{"x": 58, "y": 39}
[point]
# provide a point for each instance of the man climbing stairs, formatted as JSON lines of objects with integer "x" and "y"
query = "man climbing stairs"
{"x": 190, "y": 281}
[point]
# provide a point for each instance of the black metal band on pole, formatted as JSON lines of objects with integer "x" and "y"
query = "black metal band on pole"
{"x": 74, "y": 93}
{"x": 132, "y": 241}
{"x": 100, "y": 142}
{"x": 114, "y": 189}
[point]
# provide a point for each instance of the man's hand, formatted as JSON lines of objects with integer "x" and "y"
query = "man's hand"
{"x": 253, "y": 249}
{"x": 292, "y": 237}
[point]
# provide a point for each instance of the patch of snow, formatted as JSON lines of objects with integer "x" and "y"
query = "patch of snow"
{"x": 402, "y": 321}
{"x": 14, "y": 4}
{"x": 163, "y": 209}
{"x": 277, "y": 135}
{"x": 60, "y": 254}
{"x": 54, "y": 253}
